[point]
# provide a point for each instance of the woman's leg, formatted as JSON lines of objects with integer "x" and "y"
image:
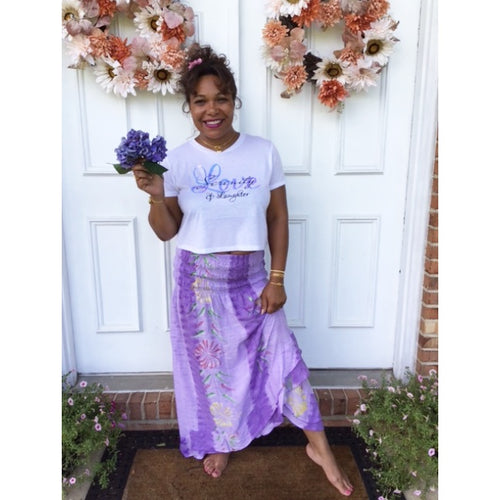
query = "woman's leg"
{"x": 320, "y": 452}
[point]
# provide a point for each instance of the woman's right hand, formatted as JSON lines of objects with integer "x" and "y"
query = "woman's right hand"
{"x": 148, "y": 182}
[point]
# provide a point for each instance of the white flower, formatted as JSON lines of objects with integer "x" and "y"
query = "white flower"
{"x": 124, "y": 83}
{"x": 381, "y": 28}
{"x": 378, "y": 50}
{"x": 148, "y": 19}
{"x": 292, "y": 7}
{"x": 156, "y": 47}
{"x": 161, "y": 77}
{"x": 331, "y": 69}
{"x": 79, "y": 51}
{"x": 273, "y": 8}
{"x": 113, "y": 77}
{"x": 72, "y": 10}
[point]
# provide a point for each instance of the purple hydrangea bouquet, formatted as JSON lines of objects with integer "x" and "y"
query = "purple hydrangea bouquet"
{"x": 137, "y": 148}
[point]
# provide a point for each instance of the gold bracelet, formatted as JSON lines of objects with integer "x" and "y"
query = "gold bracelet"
{"x": 277, "y": 271}
{"x": 275, "y": 283}
{"x": 151, "y": 201}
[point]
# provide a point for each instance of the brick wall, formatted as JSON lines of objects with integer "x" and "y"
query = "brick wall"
{"x": 427, "y": 353}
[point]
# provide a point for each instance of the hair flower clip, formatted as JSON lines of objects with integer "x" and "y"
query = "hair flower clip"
{"x": 194, "y": 63}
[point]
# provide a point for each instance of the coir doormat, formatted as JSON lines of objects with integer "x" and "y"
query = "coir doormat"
{"x": 273, "y": 467}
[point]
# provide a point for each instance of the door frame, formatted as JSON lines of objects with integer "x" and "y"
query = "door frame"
{"x": 419, "y": 191}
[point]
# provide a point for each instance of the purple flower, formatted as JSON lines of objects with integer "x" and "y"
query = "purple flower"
{"x": 136, "y": 147}
{"x": 83, "y": 383}
{"x": 72, "y": 480}
{"x": 158, "y": 149}
{"x": 431, "y": 452}
{"x": 70, "y": 401}
{"x": 83, "y": 416}
{"x": 97, "y": 427}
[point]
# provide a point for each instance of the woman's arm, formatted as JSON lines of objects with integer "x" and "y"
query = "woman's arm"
{"x": 273, "y": 296}
{"x": 165, "y": 215}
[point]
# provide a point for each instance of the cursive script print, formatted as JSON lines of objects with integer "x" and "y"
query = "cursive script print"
{"x": 214, "y": 185}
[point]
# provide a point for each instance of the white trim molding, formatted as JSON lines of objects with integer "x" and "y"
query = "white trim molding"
{"x": 419, "y": 190}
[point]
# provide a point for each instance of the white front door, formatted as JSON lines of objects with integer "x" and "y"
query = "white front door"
{"x": 346, "y": 184}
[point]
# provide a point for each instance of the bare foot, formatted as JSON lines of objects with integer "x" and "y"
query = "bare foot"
{"x": 333, "y": 472}
{"x": 215, "y": 464}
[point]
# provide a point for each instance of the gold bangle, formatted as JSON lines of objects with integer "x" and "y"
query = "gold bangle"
{"x": 275, "y": 283}
{"x": 151, "y": 201}
{"x": 277, "y": 271}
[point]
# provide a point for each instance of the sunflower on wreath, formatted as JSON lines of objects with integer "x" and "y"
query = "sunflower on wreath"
{"x": 150, "y": 61}
{"x": 368, "y": 37}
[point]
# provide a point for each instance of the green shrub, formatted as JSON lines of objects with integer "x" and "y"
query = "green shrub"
{"x": 398, "y": 421}
{"x": 89, "y": 423}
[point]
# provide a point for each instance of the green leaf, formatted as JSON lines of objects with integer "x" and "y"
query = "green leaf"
{"x": 120, "y": 169}
{"x": 154, "y": 168}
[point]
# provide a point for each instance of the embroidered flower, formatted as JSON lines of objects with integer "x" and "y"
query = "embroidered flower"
{"x": 208, "y": 354}
{"x": 221, "y": 414}
{"x": 297, "y": 401}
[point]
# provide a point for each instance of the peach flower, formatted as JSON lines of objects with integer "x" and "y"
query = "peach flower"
{"x": 330, "y": 13}
{"x": 273, "y": 33}
{"x": 331, "y": 93}
{"x": 294, "y": 77}
{"x": 308, "y": 15}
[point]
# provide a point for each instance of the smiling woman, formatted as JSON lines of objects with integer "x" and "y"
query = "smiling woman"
{"x": 238, "y": 370}
{"x": 151, "y": 61}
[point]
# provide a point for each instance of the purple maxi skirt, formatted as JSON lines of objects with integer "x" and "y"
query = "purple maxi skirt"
{"x": 237, "y": 372}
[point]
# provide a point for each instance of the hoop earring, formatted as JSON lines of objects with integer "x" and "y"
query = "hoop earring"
{"x": 237, "y": 103}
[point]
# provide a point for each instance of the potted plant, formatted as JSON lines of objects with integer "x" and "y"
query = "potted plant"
{"x": 90, "y": 424}
{"x": 398, "y": 421}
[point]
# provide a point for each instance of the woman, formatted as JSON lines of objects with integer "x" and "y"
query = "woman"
{"x": 237, "y": 367}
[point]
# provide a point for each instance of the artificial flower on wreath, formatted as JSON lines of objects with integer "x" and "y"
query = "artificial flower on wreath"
{"x": 368, "y": 37}
{"x": 151, "y": 61}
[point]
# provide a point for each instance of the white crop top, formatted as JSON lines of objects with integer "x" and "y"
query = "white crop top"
{"x": 223, "y": 196}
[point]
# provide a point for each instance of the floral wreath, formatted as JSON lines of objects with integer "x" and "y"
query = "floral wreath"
{"x": 368, "y": 42}
{"x": 151, "y": 61}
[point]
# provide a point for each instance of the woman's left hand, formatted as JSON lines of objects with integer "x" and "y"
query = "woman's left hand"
{"x": 272, "y": 298}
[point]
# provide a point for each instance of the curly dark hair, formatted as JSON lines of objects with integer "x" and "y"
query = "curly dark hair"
{"x": 211, "y": 64}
